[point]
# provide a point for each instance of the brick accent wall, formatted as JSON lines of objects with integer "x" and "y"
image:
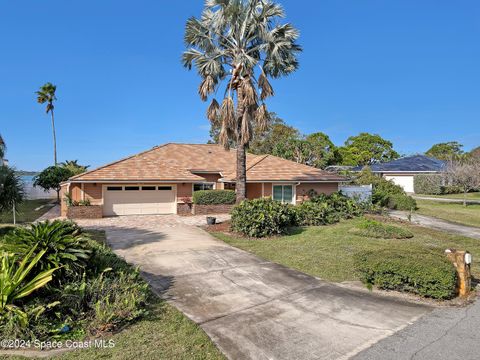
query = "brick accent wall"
{"x": 184, "y": 209}
{"x": 85, "y": 212}
{"x": 212, "y": 209}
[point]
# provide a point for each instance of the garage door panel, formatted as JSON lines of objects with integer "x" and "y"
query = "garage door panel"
{"x": 139, "y": 202}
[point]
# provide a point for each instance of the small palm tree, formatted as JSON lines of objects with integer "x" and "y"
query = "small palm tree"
{"x": 11, "y": 190}
{"x": 46, "y": 94}
{"x": 238, "y": 44}
{"x": 74, "y": 166}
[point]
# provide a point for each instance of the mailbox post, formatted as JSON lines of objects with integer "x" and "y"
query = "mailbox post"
{"x": 461, "y": 260}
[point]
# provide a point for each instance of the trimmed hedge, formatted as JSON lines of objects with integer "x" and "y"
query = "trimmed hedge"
{"x": 428, "y": 184}
{"x": 376, "y": 229}
{"x": 427, "y": 274}
{"x": 214, "y": 197}
{"x": 262, "y": 217}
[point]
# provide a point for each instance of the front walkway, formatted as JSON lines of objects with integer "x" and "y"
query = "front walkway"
{"x": 252, "y": 308}
{"x": 438, "y": 224}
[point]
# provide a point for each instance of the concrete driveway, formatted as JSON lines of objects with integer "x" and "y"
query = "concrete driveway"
{"x": 252, "y": 308}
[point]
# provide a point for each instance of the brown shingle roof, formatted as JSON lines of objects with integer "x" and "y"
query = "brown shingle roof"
{"x": 177, "y": 162}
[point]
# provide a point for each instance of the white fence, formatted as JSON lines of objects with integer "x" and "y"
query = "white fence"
{"x": 360, "y": 192}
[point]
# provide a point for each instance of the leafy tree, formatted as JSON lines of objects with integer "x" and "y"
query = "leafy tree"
{"x": 277, "y": 132}
{"x": 446, "y": 151}
{"x": 51, "y": 177}
{"x": 324, "y": 152}
{"x": 46, "y": 94}
{"x": 11, "y": 190}
{"x": 3, "y": 148}
{"x": 74, "y": 167}
{"x": 367, "y": 149}
{"x": 239, "y": 44}
{"x": 475, "y": 153}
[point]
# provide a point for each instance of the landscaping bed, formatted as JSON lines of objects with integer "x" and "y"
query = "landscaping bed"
{"x": 456, "y": 212}
{"x": 77, "y": 289}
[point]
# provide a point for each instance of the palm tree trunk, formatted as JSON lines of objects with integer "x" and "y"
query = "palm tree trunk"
{"x": 54, "y": 139}
{"x": 241, "y": 181}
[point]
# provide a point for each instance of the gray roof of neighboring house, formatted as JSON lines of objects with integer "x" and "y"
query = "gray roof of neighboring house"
{"x": 415, "y": 163}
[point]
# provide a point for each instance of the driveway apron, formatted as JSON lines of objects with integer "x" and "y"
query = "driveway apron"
{"x": 252, "y": 308}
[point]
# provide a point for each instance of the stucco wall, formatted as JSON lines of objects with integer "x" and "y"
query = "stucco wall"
{"x": 254, "y": 190}
{"x": 93, "y": 192}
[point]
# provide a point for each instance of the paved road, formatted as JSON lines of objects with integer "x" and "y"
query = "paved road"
{"x": 438, "y": 224}
{"x": 252, "y": 308}
{"x": 444, "y": 334}
{"x": 450, "y": 200}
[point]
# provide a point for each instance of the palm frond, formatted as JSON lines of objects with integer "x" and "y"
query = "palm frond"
{"x": 227, "y": 113}
{"x": 265, "y": 86}
{"x": 246, "y": 128}
{"x": 206, "y": 87}
{"x": 213, "y": 111}
{"x": 262, "y": 117}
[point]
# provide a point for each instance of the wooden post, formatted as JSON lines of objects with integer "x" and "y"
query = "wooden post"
{"x": 14, "y": 215}
{"x": 461, "y": 260}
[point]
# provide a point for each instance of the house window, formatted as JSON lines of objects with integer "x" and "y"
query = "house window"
{"x": 148, "y": 188}
{"x": 114, "y": 188}
{"x": 202, "y": 186}
{"x": 283, "y": 193}
{"x": 132, "y": 188}
{"x": 164, "y": 188}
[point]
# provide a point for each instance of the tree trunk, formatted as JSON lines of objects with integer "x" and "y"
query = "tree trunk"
{"x": 241, "y": 181}
{"x": 54, "y": 139}
{"x": 465, "y": 198}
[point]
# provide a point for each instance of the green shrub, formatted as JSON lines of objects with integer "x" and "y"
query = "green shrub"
{"x": 376, "y": 229}
{"x": 64, "y": 244}
{"x": 429, "y": 184}
{"x": 401, "y": 202}
{"x": 262, "y": 217}
{"x": 383, "y": 189}
{"x": 214, "y": 197}
{"x": 423, "y": 273}
{"x": 451, "y": 189}
{"x": 316, "y": 213}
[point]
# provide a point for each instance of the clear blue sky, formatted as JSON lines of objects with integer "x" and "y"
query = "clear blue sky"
{"x": 406, "y": 69}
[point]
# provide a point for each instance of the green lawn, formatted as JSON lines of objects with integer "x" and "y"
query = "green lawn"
{"x": 27, "y": 212}
{"x": 327, "y": 251}
{"x": 470, "y": 196}
{"x": 467, "y": 215}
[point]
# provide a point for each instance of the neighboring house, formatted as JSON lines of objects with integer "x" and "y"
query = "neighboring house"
{"x": 402, "y": 171}
{"x": 163, "y": 179}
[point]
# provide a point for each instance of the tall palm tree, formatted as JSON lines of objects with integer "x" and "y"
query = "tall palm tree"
{"x": 46, "y": 94}
{"x": 236, "y": 45}
{"x": 3, "y": 148}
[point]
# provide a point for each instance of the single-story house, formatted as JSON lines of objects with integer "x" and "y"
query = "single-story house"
{"x": 162, "y": 180}
{"x": 403, "y": 170}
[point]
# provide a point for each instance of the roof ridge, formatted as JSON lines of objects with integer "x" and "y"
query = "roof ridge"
{"x": 119, "y": 161}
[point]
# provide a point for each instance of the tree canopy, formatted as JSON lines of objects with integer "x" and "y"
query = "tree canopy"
{"x": 51, "y": 177}
{"x": 367, "y": 149}
{"x": 11, "y": 188}
{"x": 446, "y": 151}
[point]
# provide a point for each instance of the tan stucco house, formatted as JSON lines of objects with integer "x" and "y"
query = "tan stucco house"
{"x": 161, "y": 180}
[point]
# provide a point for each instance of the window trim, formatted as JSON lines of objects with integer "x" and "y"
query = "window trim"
{"x": 294, "y": 192}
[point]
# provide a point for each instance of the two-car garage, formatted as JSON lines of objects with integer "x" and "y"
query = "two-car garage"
{"x": 139, "y": 199}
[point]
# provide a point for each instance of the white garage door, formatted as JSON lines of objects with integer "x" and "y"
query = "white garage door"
{"x": 138, "y": 200}
{"x": 406, "y": 182}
